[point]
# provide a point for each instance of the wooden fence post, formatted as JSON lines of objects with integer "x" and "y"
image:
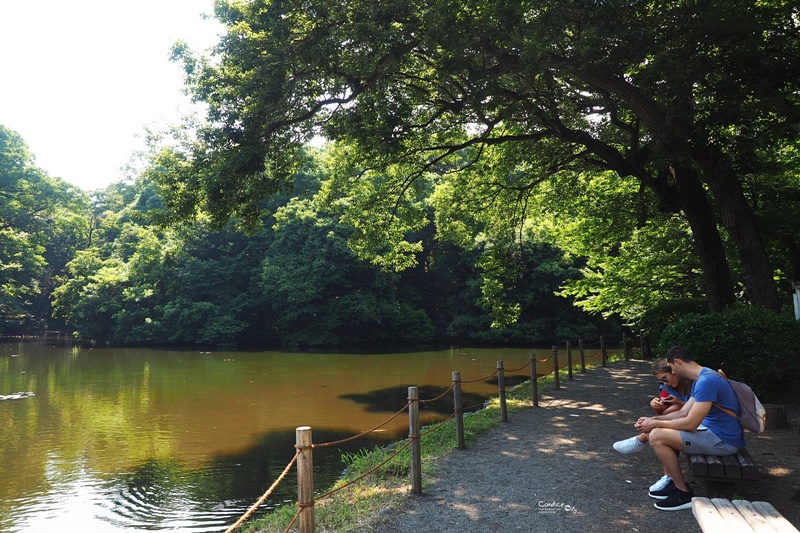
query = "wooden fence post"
{"x": 555, "y": 367}
{"x": 625, "y": 346}
{"x": 603, "y": 354}
{"x": 413, "y": 436}
{"x": 501, "y": 389}
{"x": 458, "y": 410}
{"x": 641, "y": 344}
{"x": 534, "y": 381}
{"x": 305, "y": 479}
{"x": 569, "y": 360}
{"x": 583, "y": 357}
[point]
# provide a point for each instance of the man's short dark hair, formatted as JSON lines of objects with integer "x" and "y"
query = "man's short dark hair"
{"x": 679, "y": 352}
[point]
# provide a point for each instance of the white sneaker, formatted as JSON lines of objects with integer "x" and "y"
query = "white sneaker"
{"x": 660, "y": 484}
{"x": 631, "y": 445}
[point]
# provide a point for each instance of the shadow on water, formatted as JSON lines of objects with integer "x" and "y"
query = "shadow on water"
{"x": 387, "y": 400}
{"x": 162, "y": 491}
{"x": 511, "y": 381}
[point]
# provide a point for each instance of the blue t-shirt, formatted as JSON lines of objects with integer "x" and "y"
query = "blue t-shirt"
{"x": 711, "y": 387}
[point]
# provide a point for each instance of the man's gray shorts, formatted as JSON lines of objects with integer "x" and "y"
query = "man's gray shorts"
{"x": 704, "y": 441}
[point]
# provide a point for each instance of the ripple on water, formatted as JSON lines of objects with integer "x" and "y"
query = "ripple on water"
{"x": 87, "y": 502}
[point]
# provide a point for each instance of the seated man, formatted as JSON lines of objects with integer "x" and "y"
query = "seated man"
{"x": 698, "y": 427}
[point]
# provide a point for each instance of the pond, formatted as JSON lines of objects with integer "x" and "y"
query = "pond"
{"x": 122, "y": 439}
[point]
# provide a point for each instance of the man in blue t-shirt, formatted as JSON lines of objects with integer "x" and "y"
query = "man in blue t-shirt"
{"x": 699, "y": 427}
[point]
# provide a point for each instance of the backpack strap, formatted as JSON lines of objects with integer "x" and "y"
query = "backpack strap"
{"x": 725, "y": 410}
{"x": 718, "y": 406}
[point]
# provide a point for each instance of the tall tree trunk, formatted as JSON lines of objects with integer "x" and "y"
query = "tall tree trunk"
{"x": 708, "y": 243}
{"x": 740, "y": 222}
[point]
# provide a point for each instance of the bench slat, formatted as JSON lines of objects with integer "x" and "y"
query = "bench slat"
{"x": 749, "y": 468}
{"x": 756, "y": 520}
{"x": 739, "y": 516}
{"x": 707, "y": 515}
{"x": 775, "y": 518}
{"x": 732, "y": 467}
{"x": 716, "y": 468}
{"x": 698, "y": 465}
{"x": 734, "y": 521}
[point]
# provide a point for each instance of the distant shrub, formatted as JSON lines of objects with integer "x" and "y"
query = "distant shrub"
{"x": 656, "y": 318}
{"x": 749, "y": 343}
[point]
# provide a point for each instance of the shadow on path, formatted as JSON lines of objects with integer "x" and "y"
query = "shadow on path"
{"x": 553, "y": 469}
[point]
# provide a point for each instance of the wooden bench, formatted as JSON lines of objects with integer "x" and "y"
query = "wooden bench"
{"x": 720, "y": 515}
{"x": 721, "y": 473}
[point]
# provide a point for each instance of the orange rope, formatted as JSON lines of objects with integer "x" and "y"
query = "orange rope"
{"x": 438, "y": 426}
{"x": 272, "y": 487}
{"x": 481, "y": 379}
{"x": 438, "y": 397}
{"x": 296, "y": 516}
{"x": 520, "y": 368}
{"x": 472, "y": 406}
{"x": 365, "y": 474}
{"x": 354, "y": 437}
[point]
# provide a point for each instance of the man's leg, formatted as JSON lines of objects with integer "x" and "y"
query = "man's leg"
{"x": 667, "y": 443}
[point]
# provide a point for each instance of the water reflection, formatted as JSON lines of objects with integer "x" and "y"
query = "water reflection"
{"x": 122, "y": 439}
{"x": 384, "y": 400}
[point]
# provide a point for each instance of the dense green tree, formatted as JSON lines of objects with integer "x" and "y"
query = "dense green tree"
{"x": 212, "y": 290}
{"x": 92, "y": 295}
{"x": 665, "y": 93}
{"x": 638, "y": 258}
{"x": 42, "y": 223}
{"x": 320, "y": 292}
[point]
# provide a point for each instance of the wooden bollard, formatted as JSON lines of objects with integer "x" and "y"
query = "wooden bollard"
{"x": 555, "y": 367}
{"x": 501, "y": 389}
{"x": 569, "y": 360}
{"x": 459, "y": 411}
{"x": 413, "y": 436}
{"x": 641, "y": 344}
{"x": 534, "y": 381}
{"x": 776, "y": 416}
{"x": 603, "y": 354}
{"x": 583, "y": 357}
{"x": 305, "y": 479}
{"x": 625, "y": 346}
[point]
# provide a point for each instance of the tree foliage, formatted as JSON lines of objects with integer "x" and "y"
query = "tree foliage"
{"x": 295, "y": 281}
{"x": 42, "y": 223}
{"x": 681, "y": 96}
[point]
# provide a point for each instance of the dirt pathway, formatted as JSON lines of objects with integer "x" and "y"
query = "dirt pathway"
{"x": 552, "y": 469}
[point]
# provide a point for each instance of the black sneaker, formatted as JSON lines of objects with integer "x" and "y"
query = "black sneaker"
{"x": 677, "y": 501}
{"x": 663, "y": 493}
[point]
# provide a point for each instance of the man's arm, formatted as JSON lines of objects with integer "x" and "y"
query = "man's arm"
{"x": 680, "y": 413}
{"x": 696, "y": 412}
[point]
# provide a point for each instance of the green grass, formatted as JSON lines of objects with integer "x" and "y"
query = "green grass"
{"x": 361, "y": 506}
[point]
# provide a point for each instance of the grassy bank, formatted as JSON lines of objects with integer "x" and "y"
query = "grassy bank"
{"x": 362, "y": 505}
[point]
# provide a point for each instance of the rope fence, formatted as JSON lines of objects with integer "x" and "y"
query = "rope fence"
{"x": 304, "y": 446}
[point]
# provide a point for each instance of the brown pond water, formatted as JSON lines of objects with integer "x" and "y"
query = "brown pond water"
{"x": 112, "y": 440}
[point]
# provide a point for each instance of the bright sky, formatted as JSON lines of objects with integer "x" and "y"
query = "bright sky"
{"x": 80, "y": 79}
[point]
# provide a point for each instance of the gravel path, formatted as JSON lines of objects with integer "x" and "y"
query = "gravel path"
{"x": 553, "y": 469}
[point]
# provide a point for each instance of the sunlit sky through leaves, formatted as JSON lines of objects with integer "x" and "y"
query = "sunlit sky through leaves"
{"x": 80, "y": 80}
